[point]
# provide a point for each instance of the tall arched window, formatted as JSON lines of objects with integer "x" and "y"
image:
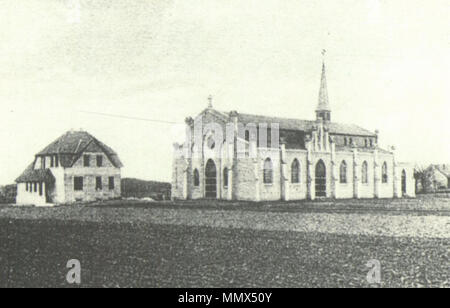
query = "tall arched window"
{"x": 247, "y": 136}
{"x": 196, "y": 178}
{"x": 225, "y": 177}
{"x": 384, "y": 173}
{"x": 343, "y": 173}
{"x": 365, "y": 173}
{"x": 268, "y": 171}
{"x": 295, "y": 171}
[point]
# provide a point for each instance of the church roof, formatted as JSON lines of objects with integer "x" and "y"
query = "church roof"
{"x": 324, "y": 104}
{"x": 302, "y": 125}
{"x": 72, "y": 144}
{"x": 296, "y": 124}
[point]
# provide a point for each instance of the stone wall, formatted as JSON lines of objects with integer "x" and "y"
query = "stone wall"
{"x": 386, "y": 189}
{"x": 247, "y": 173}
{"x": 89, "y": 174}
{"x": 344, "y": 190}
{"x": 245, "y": 180}
{"x": 271, "y": 191}
{"x": 178, "y": 175}
{"x": 297, "y": 191}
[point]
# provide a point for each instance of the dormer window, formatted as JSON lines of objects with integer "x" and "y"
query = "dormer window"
{"x": 86, "y": 161}
{"x": 99, "y": 161}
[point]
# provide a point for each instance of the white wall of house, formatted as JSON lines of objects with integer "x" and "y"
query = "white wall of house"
{"x": 59, "y": 192}
{"x": 30, "y": 197}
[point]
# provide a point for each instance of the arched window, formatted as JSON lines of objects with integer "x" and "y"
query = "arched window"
{"x": 364, "y": 173}
{"x": 384, "y": 173}
{"x": 196, "y": 178}
{"x": 247, "y": 136}
{"x": 404, "y": 182}
{"x": 343, "y": 173}
{"x": 295, "y": 171}
{"x": 225, "y": 177}
{"x": 268, "y": 171}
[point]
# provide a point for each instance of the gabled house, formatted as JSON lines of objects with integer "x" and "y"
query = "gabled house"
{"x": 75, "y": 168}
{"x": 439, "y": 176}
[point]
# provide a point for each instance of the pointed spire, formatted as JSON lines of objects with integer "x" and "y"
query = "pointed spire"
{"x": 323, "y": 93}
{"x": 323, "y": 111}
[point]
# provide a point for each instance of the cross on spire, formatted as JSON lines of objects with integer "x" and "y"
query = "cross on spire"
{"x": 210, "y": 99}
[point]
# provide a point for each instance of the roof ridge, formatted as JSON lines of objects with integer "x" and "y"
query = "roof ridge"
{"x": 287, "y": 123}
{"x": 296, "y": 119}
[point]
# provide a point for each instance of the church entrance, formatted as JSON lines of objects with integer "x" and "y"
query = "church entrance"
{"x": 321, "y": 180}
{"x": 211, "y": 180}
{"x": 403, "y": 182}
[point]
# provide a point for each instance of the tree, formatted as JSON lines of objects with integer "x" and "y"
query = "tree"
{"x": 424, "y": 179}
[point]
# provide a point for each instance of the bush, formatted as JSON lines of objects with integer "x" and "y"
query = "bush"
{"x": 8, "y": 194}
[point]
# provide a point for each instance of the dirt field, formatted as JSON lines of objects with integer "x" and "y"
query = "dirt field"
{"x": 35, "y": 253}
{"x": 136, "y": 245}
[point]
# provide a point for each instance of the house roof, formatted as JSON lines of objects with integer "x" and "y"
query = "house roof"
{"x": 444, "y": 169}
{"x": 73, "y": 144}
{"x": 38, "y": 175}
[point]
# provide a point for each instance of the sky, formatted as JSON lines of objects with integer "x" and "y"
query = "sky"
{"x": 388, "y": 68}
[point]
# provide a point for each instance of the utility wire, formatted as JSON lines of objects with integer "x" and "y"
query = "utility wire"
{"x": 128, "y": 117}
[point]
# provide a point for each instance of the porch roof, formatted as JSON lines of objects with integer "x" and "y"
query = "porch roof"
{"x": 36, "y": 175}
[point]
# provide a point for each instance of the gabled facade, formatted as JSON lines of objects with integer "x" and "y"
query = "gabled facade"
{"x": 313, "y": 159}
{"x": 75, "y": 168}
{"x": 439, "y": 176}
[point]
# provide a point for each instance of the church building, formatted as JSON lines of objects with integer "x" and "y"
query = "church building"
{"x": 301, "y": 159}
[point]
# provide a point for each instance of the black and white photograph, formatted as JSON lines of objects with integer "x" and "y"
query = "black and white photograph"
{"x": 224, "y": 151}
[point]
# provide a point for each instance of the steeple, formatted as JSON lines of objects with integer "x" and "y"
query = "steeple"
{"x": 323, "y": 110}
